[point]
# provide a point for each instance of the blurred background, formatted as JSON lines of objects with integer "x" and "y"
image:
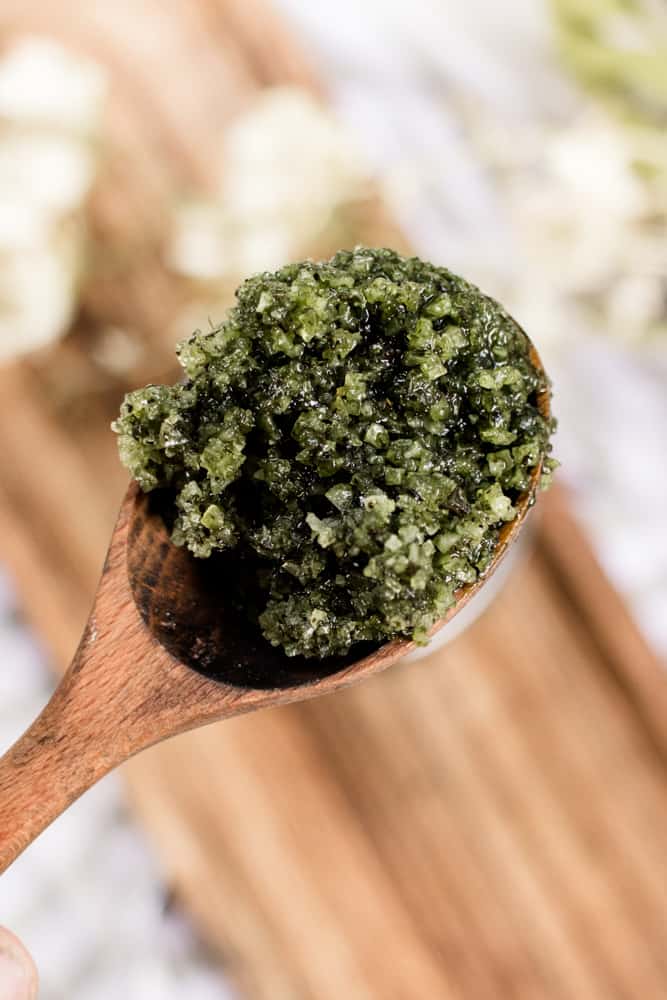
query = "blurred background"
{"x": 490, "y": 822}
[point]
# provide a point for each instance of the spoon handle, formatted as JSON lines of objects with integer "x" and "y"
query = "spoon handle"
{"x": 121, "y": 694}
{"x": 50, "y": 766}
{"x": 96, "y": 718}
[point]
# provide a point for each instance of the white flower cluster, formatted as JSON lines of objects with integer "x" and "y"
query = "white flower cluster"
{"x": 50, "y": 108}
{"x": 285, "y": 169}
{"x": 589, "y": 232}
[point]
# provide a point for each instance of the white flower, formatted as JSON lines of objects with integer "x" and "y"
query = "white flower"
{"x": 199, "y": 247}
{"x": 38, "y": 291}
{"x": 287, "y": 154}
{"x": 50, "y": 172}
{"x": 593, "y": 162}
{"x": 286, "y": 166}
{"x": 42, "y": 83}
{"x": 50, "y": 102}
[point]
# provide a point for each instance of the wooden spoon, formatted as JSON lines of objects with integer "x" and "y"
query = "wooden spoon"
{"x": 161, "y": 653}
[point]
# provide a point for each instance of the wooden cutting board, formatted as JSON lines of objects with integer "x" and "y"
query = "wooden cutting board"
{"x": 490, "y": 822}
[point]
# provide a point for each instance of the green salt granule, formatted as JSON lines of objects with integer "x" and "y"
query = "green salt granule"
{"x": 358, "y": 430}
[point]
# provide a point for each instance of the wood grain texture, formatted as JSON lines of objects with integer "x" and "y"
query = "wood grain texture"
{"x": 488, "y": 823}
{"x": 505, "y": 789}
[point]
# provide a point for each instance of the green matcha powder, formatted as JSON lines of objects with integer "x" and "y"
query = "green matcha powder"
{"x": 360, "y": 429}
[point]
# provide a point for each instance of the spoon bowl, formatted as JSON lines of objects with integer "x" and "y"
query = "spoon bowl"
{"x": 192, "y": 607}
{"x": 165, "y": 650}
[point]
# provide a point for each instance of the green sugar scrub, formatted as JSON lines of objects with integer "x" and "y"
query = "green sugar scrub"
{"x": 358, "y": 431}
